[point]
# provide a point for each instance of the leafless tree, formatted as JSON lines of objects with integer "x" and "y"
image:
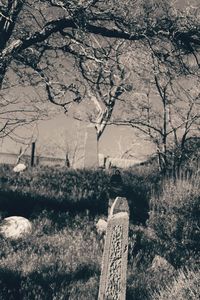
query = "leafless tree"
{"x": 28, "y": 143}
{"x": 19, "y": 110}
{"x": 66, "y": 144}
{"x": 167, "y": 107}
{"x": 105, "y": 81}
{"x": 36, "y": 34}
{"x": 169, "y": 125}
{"x": 126, "y": 147}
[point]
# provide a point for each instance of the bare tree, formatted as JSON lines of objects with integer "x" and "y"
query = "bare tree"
{"x": 167, "y": 110}
{"x": 126, "y": 147}
{"x": 27, "y": 144}
{"x": 19, "y": 110}
{"x": 57, "y": 30}
{"x": 168, "y": 126}
{"x": 105, "y": 81}
{"x": 65, "y": 144}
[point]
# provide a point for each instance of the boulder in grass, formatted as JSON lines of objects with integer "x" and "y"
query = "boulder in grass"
{"x": 101, "y": 226}
{"x": 19, "y": 168}
{"x": 15, "y": 227}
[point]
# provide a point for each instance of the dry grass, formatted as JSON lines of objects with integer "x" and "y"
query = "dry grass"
{"x": 61, "y": 259}
{"x": 185, "y": 286}
{"x": 174, "y": 216}
{"x": 54, "y": 263}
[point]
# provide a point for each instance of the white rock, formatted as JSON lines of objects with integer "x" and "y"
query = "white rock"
{"x": 101, "y": 226}
{"x": 19, "y": 168}
{"x": 15, "y": 227}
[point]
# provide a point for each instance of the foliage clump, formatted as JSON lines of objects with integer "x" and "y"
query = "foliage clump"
{"x": 184, "y": 286}
{"x": 174, "y": 216}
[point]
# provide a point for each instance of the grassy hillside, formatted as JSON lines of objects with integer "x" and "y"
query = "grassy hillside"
{"x": 73, "y": 191}
{"x": 62, "y": 258}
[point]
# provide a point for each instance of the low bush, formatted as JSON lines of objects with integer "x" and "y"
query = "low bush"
{"x": 186, "y": 285}
{"x": 174, "y": 216}
{"x": 142, "y": 279}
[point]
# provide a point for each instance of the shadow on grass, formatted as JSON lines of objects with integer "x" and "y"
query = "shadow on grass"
{"x": 47, "y": 282}
{"x": 10, "y": 283}
{"x": 15, "y": 203}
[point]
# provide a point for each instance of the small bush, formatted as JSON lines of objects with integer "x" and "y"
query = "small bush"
{"x": 184, "y": 286}
{"x": 174, "y": 216}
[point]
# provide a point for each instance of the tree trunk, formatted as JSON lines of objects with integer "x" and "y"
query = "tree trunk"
{"x": 3, "y": 69}
{"x": 8, "y": 17}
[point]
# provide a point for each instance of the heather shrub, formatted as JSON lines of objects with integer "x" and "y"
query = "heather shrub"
{"x": 174, "y": 216}
{"x": 162, "y": 285}
{"x": 141, "y": 283}
{"x": 142, "y": 279}
{"x": 186, "y": 285}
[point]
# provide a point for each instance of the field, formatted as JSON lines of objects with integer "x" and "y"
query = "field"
{"x": 62, "y": 258}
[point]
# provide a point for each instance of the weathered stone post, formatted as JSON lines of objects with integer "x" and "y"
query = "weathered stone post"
{"x": 91, "y": 148}
{"x": 115, "y": 255}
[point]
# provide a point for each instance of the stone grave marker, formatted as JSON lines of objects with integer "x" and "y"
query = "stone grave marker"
{"x": 114, "y": 264}
{"x": 91, "y": 148}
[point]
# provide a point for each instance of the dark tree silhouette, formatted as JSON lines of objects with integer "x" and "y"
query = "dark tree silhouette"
{"x": 33, "y": 34}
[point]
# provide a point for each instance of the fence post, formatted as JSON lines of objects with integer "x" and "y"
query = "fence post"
{"x": 32, "y": 154}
